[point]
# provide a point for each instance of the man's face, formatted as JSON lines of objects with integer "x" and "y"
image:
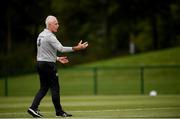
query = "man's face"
{"x": 54, "y": 25}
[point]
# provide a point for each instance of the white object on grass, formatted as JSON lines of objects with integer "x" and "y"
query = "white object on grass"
{"x": 153, "y": 93}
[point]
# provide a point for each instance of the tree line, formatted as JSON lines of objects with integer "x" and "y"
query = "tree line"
{"x": 110, "y": 26}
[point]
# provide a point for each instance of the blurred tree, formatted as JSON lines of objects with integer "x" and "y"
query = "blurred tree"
{"x": 111, "y": 24}
{"x": 21, "y": 18}
{"x": 20, "y": 23}
{"x": 88, "y": 21}
{"x": 108, "y": 25}
{"x": 134, "y": 12}
{"x": 176, "y": 24}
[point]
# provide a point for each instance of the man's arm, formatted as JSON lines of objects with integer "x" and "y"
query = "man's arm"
{"x": 55, "y": 43}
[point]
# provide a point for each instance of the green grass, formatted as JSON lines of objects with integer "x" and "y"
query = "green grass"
{"x": 111, "y": 81}
{"x": 163, "y": 57}
{"x": 126, "y": 106}
{"x": 118, "y": 90}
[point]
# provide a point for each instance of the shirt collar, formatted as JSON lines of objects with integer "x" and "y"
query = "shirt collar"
{"x": 47, "y": 30}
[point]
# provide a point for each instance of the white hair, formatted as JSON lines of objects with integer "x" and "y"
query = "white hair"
{"x": 49, "y": 19}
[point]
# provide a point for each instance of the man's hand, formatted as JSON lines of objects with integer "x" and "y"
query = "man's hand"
{"x": 63, "y": 59}
{"x": 80, "y": 46}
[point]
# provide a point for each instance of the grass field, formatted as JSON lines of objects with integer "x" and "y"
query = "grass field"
{"x": 118, "y": 90}
{"x": 113, "y": 81}
{"x": 98, "y": 107}
{"x": 166, "y": 56}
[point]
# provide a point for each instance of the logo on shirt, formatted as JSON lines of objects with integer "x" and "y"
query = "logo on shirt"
{"x": 39, "y": 42}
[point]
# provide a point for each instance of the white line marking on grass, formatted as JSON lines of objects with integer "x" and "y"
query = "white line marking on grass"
{"x": 116, "y": 110}
{"x": 138, "y": 109}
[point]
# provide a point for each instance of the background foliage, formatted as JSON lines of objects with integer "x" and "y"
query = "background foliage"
{"x": 108, "y": 25}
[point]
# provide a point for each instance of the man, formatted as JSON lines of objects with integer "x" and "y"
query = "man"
{"x": 47, "y": 47}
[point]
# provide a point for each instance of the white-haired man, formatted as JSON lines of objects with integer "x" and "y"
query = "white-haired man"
{"x": 47, "y": 48}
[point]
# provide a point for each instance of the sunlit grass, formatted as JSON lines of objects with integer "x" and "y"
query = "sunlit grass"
{"x": 129, "y": 106}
